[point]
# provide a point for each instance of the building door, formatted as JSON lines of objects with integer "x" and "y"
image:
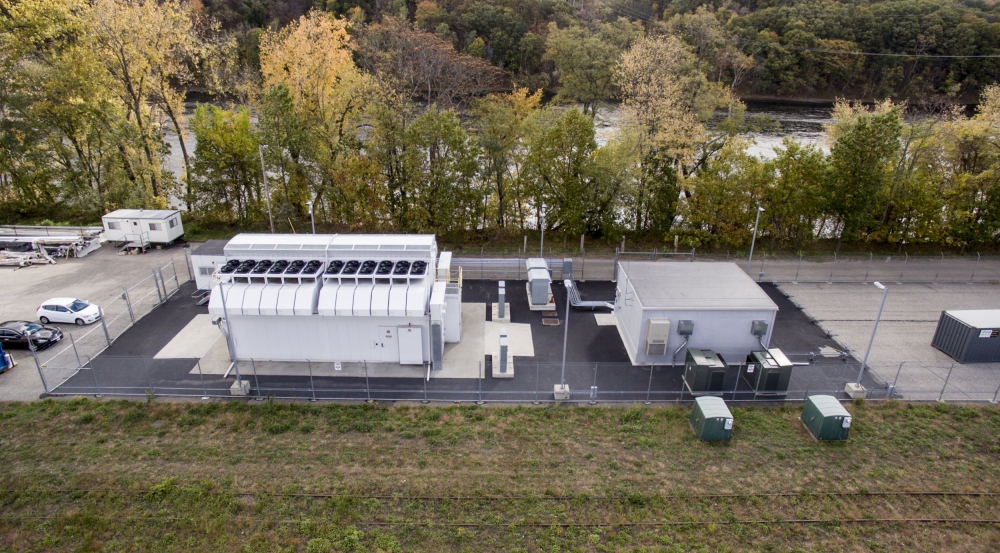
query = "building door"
{"x": 388, "y": 344}
{"x": 411, "y": 346}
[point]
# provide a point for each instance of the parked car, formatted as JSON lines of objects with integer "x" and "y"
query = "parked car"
{"x": 18, "y": 333}
{"x": 67, "y": 310}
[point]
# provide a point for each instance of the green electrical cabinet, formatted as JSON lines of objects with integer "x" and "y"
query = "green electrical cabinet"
{"x": 825, "y": 418}
{"x": 704, "y": 371}
{"x": 711, "y": 419}
{"x": 767, "y": 372}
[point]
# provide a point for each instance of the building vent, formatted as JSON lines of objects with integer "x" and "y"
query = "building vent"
{"x": 657, "y": 334}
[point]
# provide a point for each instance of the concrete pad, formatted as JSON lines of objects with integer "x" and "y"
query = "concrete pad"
{"x": 604, "y": 319}
{"x": 193, "y": 341}
{"x": 519, "y": 342}
{"x": 496, "y": 366}
{"x": 470, "y": 353}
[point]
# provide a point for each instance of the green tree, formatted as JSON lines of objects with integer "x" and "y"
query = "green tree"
{"x": 227, "y": 168}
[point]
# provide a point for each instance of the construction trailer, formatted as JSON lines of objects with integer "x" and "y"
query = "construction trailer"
{"x": 663, "y": 308}
{"x": 206, "y": 259}
{"x": 140, "y": 228}
{"x": 338, "y": 298}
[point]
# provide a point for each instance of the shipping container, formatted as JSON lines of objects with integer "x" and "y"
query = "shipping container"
{"x": 971, "y": 336}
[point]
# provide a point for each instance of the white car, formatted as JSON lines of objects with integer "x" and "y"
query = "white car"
{"x": 68, "y": 310}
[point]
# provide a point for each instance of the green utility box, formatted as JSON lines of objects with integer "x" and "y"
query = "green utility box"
{"x": 825, "y": 418}
{"x": 704, "y": 371}
{"x": 767, "y": 372}
{"x": 711, "y": 419}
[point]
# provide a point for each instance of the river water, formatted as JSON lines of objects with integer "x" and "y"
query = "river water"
{"x": 802, "y": 123}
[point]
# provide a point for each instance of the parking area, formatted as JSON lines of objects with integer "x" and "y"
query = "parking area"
{"x": 99, "y": 278}
{"x": 903, "y": 341}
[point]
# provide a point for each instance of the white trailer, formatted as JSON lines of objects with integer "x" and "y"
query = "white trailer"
{"x": 330, "y": 298}
{"x": 663, "y": 308}
{"x": 142, "y": 227}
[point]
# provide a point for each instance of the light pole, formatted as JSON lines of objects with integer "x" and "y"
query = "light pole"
{"x": 754, "y": 239}
{"x": 541, "y": 247}
{"x": 267, "y": 191}
{"x": 311, "y": 218}
{"x": 562, "y": 378}
{"x": 885, "y": 292}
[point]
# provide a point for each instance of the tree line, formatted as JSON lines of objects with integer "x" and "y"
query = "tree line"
{"x": 386, "y": 127}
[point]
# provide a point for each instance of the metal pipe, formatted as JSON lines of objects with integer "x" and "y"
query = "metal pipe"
{"x": 541, "y": 246}
{"x": 673, "y": 358}
{"x": 885, "y": 292}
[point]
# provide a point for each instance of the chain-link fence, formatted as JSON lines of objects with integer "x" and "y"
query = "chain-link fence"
{"x": 764, "y": 267}
{"x": 527, "y": 382}
{"x": 118, "y": 314}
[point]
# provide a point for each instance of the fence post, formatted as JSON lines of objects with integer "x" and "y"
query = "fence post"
{"x": 105, "y": 327}
{"x": 692, "y": 255}
{"x": 940, "y": 264}
{"x": 174, "y": 268}
{"x": 425, "y": 401}
{"x": 760, "y": 275}
{"x": 34, "y": 355}
{"x": 995, "y": 395}
{"x": 830, "y": 280}
{"x": 157, "y": 284}
{"x": 536, "y": 385}
{"x": 941, "y": 397}
{"x": 797, "y": 267}
{"x": 906, "y": 257}
{"x": 128, "y": 303}
{"x": 312, "y": 385}
{"x": 480, "y": 402}
{"x": 76, "y": 353}
{"x": 614, "y": 268}
{"x": 368, "y": 388}
{"x": 204, "y": 390}
{"x": 149, "y": 375}
{"x": 163, "y": 282}
{"x": 649, "y": 386}
{"x": 187, "y": 261}
{"x": 974, "y": 267}
{"x": 892, "y": 389}
{"x": 868, "y": 270}
{"x": 93, "y": 373}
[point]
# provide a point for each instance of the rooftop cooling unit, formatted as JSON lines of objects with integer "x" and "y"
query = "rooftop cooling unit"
{"x": 262, "y": 267}
{"x": 230, "y": 266}
{"x": 657, "y": 334}
{"x": 351, "y": 268}
{"x": 418, "y": 268}
{"x": 367, "y": 268}
{"x": 295, "y": 267}
{"x": 334, "y": 267}
{"x": 385, "y": 267}
{"x": 402, "y": 267}
{"x": 278, "y": 267}
{"x": 246, "y": 266}
{"x": 312, "y": 267}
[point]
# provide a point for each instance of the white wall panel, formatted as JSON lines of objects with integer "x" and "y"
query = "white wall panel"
{"x": 380, "y": 300}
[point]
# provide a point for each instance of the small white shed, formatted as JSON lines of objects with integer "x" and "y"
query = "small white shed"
{"x": 666, "y": 307}
{"x": 147, "y": 226}
{"x": 205, "y": 259}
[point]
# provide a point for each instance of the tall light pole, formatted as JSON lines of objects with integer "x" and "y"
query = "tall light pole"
{"x": 562, "y": 379}
{"x": 311, "y": 217}
{"x": 885, "y": 292}
{"x": 754, "y": 239}
{"x": 541, "y": 247}
{"x": 267, "y": 191}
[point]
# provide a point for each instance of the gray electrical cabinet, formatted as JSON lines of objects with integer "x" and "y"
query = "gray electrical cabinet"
{"x": 704, "y": 371}
{"x": 767, "y": 372}
{"x": 971, "y": 336}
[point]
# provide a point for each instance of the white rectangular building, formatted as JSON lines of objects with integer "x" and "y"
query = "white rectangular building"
{"x": 663, "y": 308}
{"x": 331, "y": 298}
{"x": 146, "y": 226}
{"x": 205, "y": 260}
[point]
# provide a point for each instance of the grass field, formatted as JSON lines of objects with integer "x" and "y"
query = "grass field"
{"x": 232, "y": 476}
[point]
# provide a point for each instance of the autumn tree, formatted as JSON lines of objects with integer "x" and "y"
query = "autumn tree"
{"x": 226, "y": 169}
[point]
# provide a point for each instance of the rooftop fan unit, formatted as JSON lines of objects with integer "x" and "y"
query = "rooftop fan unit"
{"x": 230, "y": 266}
{"x": 334, "y": 267}
{"x": 367, "y": 268}
{"x": 385, "y": 267}
{"x": 295, "y": 267}
{"x": 418, "y": 268}
{"x": 246, "y": 266}
{"x": 351, "y": 267}
{"x": 278, "y": 267}
{"x": 402, "y": 267}
{"x": 262, "y": 267}
{"x": 312, "y": 267}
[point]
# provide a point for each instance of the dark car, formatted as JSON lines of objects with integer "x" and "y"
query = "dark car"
{"x": 17, "y": 333}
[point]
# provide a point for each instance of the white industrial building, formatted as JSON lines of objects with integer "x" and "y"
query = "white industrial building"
{"x": 206, "y": 259}
{"x": 143, "y": 226}
{"x": 383, "y": 298}
{"x": 663, "y": 308}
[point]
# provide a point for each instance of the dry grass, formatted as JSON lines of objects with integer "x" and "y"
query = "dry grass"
{"x": 127, "y": 476}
